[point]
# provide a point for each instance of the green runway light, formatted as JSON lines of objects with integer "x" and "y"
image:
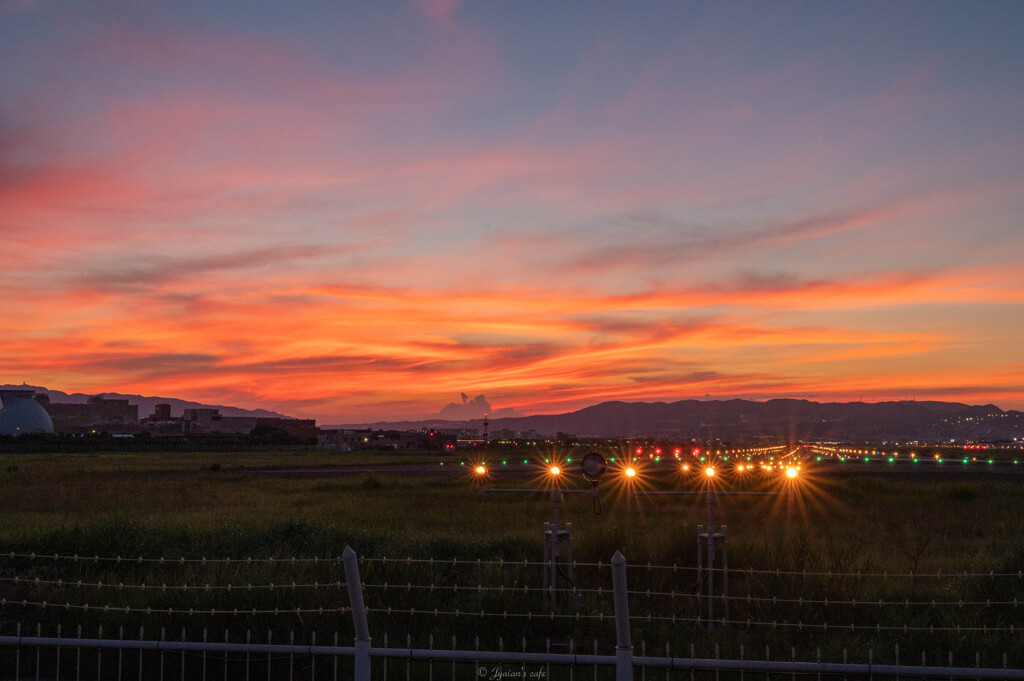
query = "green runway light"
{"x": 568, "y": 460}
{"x": 504, "y": 462}
{"x": 819, "y": 458}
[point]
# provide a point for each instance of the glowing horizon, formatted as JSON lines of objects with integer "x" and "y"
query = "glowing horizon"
{"x": 358, "y": 213}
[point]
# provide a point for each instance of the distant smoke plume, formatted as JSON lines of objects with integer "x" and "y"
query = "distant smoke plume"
{"x": 475, "y": 408}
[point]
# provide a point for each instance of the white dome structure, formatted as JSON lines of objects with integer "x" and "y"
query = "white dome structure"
{"x": 21, "y": 414}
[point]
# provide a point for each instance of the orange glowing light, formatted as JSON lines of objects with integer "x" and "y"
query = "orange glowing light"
{"x": 630, "y": 472}
{"x": 790, "y": 472}
{"x": 710, "y": 472}
{"x": 555, "y": 470}
{"x": 481, "y": 470}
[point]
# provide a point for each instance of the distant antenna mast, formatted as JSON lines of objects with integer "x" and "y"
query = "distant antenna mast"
{"x": 486, "y": 422}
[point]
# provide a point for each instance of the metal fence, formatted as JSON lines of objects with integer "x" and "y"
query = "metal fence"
{"x": 359, "y": 608}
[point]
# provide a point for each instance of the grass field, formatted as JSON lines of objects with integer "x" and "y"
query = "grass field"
{"x": 313, "y": 503}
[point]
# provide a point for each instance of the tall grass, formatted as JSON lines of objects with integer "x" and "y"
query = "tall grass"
{"x": 223, "y": 506}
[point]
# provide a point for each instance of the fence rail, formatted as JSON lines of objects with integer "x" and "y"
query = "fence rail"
{"x": 570, "y": 660}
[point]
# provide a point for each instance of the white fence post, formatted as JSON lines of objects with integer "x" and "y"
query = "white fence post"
{"x": 623, "y": 644}
{"x": 355, "y": 598}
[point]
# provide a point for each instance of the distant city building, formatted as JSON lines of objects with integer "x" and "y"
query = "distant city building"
{"x": 506, "y": 434}
{"x": 350, "y": 440}
{"x": 209, "y": 421}
{"x": 21, "y": 414}
{"x": 97, "y": 415}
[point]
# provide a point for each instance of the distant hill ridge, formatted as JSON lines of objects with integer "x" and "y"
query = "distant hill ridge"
{"x": 146, "y": 404}
{"x": 777, "y": 419}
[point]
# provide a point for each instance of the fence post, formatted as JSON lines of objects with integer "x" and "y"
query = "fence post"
{"x": 623, "y": 644}
{"x": 355, "y": 598}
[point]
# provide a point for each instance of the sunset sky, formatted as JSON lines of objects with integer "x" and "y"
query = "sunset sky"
{"x": 358, "y": 210}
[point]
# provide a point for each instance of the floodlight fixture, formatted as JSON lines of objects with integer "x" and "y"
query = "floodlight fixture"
{"x": 593, "y": 467}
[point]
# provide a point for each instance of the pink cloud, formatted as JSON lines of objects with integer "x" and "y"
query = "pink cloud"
{"x": 438, "y": 11}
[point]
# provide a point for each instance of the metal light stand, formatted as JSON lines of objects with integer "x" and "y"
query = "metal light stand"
{"x": 706, "y": 545}
{"x": 554, "y": 536}
{"x": 707, "y": 542}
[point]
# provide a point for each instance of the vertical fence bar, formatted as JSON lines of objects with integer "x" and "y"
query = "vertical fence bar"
{"x": 547, "y": 558}
{"x": 711, "y": 556}
{"x": 568, "y": 553}
{"x": 99, "y": 658}
{"x": 725, "y": 576}
{"x": 556, "y": 498}
{"x": 78, "y": 656}
{"x": 141, "y": 633}
{"x": 355, "y": 598}
{"x": 623, "y": 644}
{"x": 700, "y": 566}
{"x": 547, "y": 665}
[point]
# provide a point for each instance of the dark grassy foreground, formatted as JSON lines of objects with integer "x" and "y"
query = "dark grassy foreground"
{"x": 229, "y": 505}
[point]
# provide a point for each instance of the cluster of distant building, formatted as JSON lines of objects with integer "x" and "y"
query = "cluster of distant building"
{"x": 348, "y": 440}
{"x": 25, "y": 411}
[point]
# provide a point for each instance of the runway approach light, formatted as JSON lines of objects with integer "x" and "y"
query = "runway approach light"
{"x": 555, "y": 470}
{"x": 630, "y": 472}
{"x": 709, "y": 471}
{"x": 481, "y": 470}
{"x": 791, "y": 472}
{"x": 593, "y": 467}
